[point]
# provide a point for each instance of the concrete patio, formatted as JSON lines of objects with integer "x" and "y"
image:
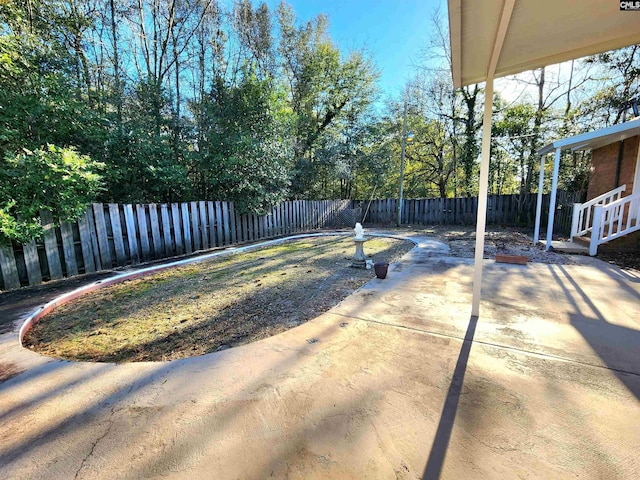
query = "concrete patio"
{"x": 395, "y": 382}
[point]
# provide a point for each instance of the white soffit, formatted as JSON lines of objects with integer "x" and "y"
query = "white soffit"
{"x": 595, "y": 139}
{"x": 540, "y": 32}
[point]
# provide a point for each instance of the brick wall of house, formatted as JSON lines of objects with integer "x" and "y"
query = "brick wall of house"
{"x": 603, "y": 167}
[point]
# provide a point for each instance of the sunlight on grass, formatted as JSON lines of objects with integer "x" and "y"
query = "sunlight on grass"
{"x": 204, "y": 306}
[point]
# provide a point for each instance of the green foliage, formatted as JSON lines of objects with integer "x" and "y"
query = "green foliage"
{"x": 144, "y": 163}
{"x": 58, "y": 180}
{"x": 248, "y": 145}
{"x": 513, "y": 129}
{"x": 325, "y": 88}
{"x": 38, "y": 101}
{"x": 247, "y": 104}
{"x": 620, "y": 70}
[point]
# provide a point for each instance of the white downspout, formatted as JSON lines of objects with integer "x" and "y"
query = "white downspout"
{"x": 552, "y": 200}
{"x": 536, "y": 233}
{"x": 482, "y": 196}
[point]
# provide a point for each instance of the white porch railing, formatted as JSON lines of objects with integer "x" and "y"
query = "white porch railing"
{"x": 614, "y": 220}
{"x": 582, "y": 212}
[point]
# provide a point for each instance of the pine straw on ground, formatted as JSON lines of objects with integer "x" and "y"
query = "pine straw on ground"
{"x": 210, "y": 305}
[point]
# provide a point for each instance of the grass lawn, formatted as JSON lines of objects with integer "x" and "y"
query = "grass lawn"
{"x": 210, "y": 305}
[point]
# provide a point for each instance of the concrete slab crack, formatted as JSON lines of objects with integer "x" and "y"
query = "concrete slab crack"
{"x": 95, "y": 444}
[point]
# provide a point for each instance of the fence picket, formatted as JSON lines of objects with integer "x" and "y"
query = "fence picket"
{"x": 101, "y": 233}
{"x": 253, "y": 227}
{"x": 245, "y": 228}
{"x": 219, "y": 224}
{"x": 166, "y": 230}
{"x": 68, "y": 249}
{"x": 186, "y": 225}
{"x": 51, "y": 246}
{"x": 195, "y": 227}
{"x": 86, "y": 244}
{"x": 238, "y": 224}
{"x": 177, "y": 228}
{"x": 316, "y": 215}
{"x": 260, "y": 226}
{"x": 132, "y": 239}
{"x": 144, "y": 233}
{"x": 286, "y": 219}
{"x": 211, "y": 219}
{"x": 118, "y": 238}
{"x": 32, "y": 262}
{"x": 155, "y": 230}
{"x": 94, "y": 240}
{"x": 276, "y": 219}
{"x": 9, "y": 269}
{"x": 205, "y": 226}
{"x": 232, "y": 220}
{"x": 226, "y": 234}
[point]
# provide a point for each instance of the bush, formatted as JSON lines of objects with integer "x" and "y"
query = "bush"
{"x": 58, "y": 180}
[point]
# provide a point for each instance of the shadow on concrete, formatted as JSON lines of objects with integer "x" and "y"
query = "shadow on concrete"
{"x": 43, "y": 394}
{"x": 443, "y": 434}
{"x": 617, "y": 346}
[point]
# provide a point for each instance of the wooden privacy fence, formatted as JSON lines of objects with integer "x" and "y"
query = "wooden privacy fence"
{"x": 514, "y": 210}
{"x": 113, "y": 235}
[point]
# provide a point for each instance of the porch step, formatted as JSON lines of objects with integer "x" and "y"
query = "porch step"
{"x": 584, "y": 240}
{"x": 567, "y": 247}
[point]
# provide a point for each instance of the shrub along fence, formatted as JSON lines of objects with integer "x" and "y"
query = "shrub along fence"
{"x": 113, "y": 235}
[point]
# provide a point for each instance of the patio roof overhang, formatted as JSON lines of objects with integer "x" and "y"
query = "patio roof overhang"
{"x": 539, "y": 33}
{"x": 494, "y": 38}
{"x": 595, "y": 139}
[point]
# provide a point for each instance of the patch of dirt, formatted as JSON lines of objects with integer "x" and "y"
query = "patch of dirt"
{"x": 507, "y": 240}
{"x": 210, "y": 305}
{"x": 519, "y": 241}
{"x": 16, "y": 303}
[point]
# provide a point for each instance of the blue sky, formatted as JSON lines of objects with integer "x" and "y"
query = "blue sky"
{"x": 394, "y": 32}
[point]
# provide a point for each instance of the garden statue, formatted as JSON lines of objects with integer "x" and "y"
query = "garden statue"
{"x": 359, "y": 259}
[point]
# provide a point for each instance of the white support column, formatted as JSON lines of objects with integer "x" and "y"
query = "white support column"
{"x": 482, "y": 196}
{"x": 552, "y": 200}
{"x": 505, "y": 18}
{"x": 536, "y": 233}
